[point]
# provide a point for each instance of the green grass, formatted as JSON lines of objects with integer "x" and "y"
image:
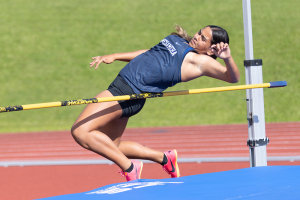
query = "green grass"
{"x": 46, "y": 47}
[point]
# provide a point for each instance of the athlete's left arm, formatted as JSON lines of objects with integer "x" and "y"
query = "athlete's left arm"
{"x": 213, "y": 68}
{"x": 126, "y": 57}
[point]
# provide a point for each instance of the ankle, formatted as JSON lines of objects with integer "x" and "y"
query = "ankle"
{"x": 165, "y": 160}
{"x": 129, "y": 169}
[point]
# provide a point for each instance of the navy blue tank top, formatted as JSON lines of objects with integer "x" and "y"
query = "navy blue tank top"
{"x": 159, "y": 68}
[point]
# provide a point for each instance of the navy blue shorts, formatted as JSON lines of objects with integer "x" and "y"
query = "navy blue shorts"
{"x": 129, "y": 107}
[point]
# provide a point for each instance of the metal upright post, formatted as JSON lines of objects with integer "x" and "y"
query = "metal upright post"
{"x": 257, "y": 141}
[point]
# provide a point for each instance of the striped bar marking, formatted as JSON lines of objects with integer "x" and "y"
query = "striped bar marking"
{"x": 140, "y": 96}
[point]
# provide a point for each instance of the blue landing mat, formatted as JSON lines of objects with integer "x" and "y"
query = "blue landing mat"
{"x": 272, "y": 182}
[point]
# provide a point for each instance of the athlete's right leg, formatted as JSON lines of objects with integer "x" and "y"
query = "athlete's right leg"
{"x": 99, "y": 129}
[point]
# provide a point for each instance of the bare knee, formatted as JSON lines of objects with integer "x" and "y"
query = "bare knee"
{"x": 80, "y": 136}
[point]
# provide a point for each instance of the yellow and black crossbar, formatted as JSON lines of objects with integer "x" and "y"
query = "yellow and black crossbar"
{"x": 140, "y": 96}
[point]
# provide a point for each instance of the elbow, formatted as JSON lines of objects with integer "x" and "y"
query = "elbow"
{"x": 234, "y": 79}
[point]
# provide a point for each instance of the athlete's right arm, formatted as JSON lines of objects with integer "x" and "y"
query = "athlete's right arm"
{"x": 126, "y": 57}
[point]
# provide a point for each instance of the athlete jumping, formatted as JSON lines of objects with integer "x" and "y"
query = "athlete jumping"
{"x": 177, "y": 58}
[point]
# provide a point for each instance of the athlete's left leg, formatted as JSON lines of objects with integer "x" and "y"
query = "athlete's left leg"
{"x": 134, "y": 150}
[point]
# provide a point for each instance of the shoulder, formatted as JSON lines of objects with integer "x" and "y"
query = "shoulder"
{"x": 196, "y": 58}
{"x": 192, "y": 66}
{"x": 196, "y": 65}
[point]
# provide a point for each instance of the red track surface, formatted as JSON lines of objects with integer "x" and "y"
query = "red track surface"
{"x": 191, "y": 142}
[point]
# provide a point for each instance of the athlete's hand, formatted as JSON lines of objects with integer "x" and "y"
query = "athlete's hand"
{"x": 102, "y": 59}
{"x": 221, "y": 50}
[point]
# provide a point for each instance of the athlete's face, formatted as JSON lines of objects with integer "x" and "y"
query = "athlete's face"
{"x": 202, "y": 41}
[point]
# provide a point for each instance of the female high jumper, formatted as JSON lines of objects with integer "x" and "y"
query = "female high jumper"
{"x": 177, "y": 58}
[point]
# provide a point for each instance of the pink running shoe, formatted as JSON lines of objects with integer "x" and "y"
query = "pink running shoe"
{"x": 172, "y": 167}
{"x": 135, "y": 173}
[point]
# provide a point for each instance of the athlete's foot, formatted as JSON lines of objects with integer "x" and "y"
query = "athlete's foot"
{"x": 171, "y": 167}
{"x": 135, "y": 172}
